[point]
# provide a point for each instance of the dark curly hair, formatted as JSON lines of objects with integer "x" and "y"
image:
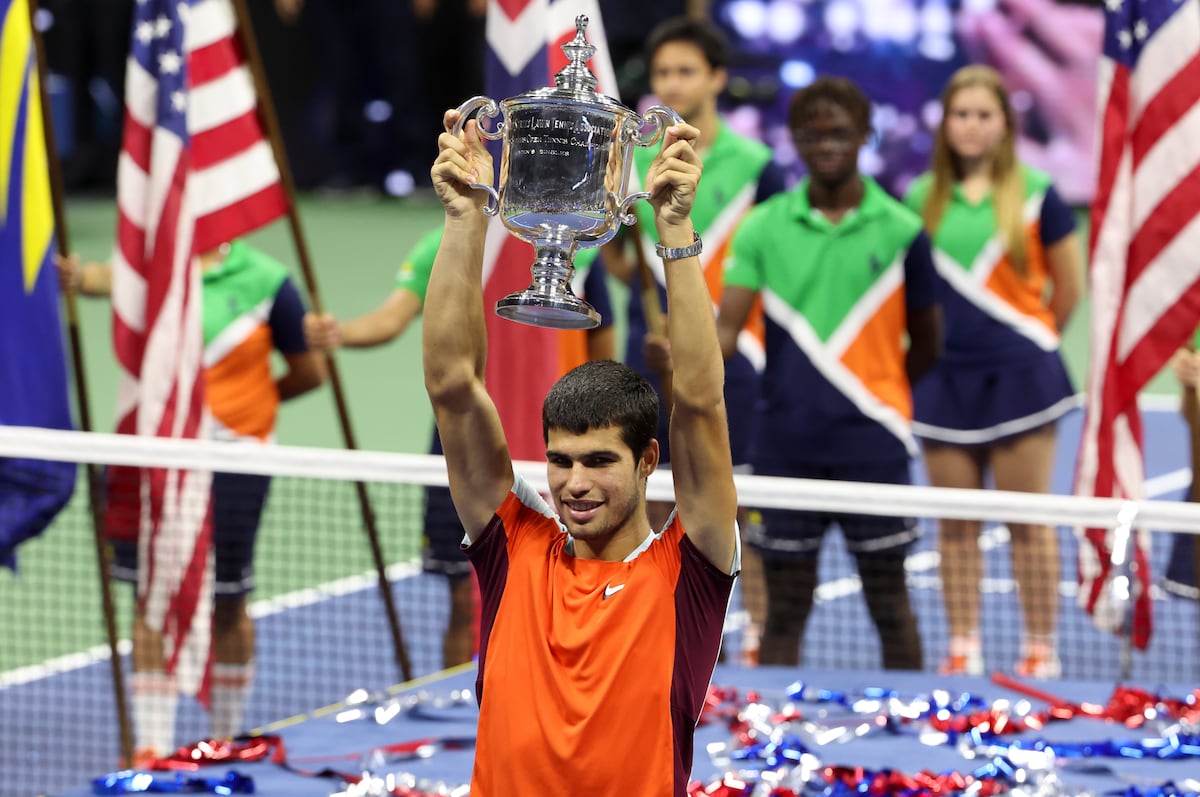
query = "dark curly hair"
{"x": 599, "y": 394}
{"x": 705, "y": 35}
{"x": 839, "y": 91}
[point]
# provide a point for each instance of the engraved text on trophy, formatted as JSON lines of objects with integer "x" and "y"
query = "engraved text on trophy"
{"x": 558, "y": 170}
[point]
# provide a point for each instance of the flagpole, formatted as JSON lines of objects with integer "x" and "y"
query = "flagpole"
{"x": 103, "y": 552}
{"x": 270, "y": 122}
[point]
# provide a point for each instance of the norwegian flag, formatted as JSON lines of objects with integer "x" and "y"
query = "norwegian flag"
{"x": 1145, "y": 275}
{"x": 524, "y": 53}
{"x": 194, "y": 171}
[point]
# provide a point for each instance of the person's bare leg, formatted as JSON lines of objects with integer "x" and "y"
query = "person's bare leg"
{"x": 885, "y": 590}
{"x": 233, "y": 666}
{"x": 154, "y": 695}
{"x": 790, "y": 588}
{"x": 753, "y": 585}
{"x": 958, "y": 541}
{"x": 458, "y": 645}
{"x": 1025, "y": 464}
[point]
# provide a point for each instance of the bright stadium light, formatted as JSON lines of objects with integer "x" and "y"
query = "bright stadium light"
{"x": 936, "y": 19}
{"x": 902, "y": 23}
{"x": 786, "y": 21}
{"x": 796, "y": 74}
{"x": 377, "y": 111}
{"x": 842, "y": 20}
{"x": 399, "y": 183}
{"x": 937, "y": 48}
{"x": 749, "y": 17}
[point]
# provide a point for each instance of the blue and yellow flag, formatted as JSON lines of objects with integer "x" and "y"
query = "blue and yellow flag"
{"x": 33, "y": 370}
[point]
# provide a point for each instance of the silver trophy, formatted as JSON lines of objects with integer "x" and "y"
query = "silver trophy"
{"x": 564, "y": 167}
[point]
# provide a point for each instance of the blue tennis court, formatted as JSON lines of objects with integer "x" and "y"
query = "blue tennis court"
{"x": 352, "y": 744}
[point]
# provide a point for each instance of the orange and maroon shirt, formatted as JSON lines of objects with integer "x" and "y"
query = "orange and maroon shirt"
{"x": 592, "y": 674}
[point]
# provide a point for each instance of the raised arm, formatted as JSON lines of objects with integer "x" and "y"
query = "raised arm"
{"x": 701, "y": 463}
{"x": 454, "y": 343}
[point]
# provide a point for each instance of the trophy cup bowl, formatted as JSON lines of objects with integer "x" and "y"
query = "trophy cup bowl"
{"x": 565, "y": 163}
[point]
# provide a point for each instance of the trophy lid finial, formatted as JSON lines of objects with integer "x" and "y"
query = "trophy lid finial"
{"x": 576, "y": 76}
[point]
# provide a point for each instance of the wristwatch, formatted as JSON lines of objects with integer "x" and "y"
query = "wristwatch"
{"x": 680, "y": 252}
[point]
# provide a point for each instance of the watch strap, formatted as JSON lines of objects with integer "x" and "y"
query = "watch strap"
{"x": 680, "y": 252}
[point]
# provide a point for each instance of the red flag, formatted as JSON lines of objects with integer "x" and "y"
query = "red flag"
{"x": 1144, "y": 274}
{"x": 524, "y": 37}
{"x": 195, "y": 171}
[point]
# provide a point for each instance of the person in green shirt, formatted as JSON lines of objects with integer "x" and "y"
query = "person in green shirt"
{"x": 1010, "y": 262}
{"x": 687, "y": 60}
{"x": 251, "y": 309}
{"x": 845, "y": 275}
{"x": 1183, "y": 565}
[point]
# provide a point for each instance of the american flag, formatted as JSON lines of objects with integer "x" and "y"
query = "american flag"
{"x": 194, "y": 172}
{"x": 524, "y": 40}
{"x": 1145, "y": 275}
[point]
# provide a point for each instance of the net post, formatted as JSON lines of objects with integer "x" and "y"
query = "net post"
{"x": 270, "y": 123}
{"x": 95, "y": 508}
{"x": 1121, "y": 585}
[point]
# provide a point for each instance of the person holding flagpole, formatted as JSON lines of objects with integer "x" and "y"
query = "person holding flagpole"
{"x": 590, "y": 616}
{"x": 191, "y": 301}
{"x": 1183, "y": 563}
{"x": 1010, "y": 262}
{"x": 251, "y": 309}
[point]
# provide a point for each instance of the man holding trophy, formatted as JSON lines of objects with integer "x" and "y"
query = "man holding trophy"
{"x": 589, "y": 616}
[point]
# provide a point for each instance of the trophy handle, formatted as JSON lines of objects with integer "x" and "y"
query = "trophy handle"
{"x": 487, "y": 110}
{"x": 625, "y": 208}
{"x": 661, "y": 117}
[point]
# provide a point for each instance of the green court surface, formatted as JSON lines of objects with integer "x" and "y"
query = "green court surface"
{"x": 357, "y": 244}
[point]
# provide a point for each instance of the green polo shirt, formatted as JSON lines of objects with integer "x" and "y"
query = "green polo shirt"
{"x": 836, "y": 299}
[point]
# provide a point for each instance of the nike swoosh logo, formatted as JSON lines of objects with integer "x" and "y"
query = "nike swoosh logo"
{"x": 610, "y": 590}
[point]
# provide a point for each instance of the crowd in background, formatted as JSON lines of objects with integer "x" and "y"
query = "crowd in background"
{"x": 359, "y": 85}
{"x": 341, "y": 74}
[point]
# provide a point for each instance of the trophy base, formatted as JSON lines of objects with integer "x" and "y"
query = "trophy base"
{"x": 550, "y": 311}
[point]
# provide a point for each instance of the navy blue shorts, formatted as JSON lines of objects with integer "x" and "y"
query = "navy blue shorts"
{"x": 442, "y": 551}
{"x": 979, "y": 406}
{"x": 787, "y": 535}
{"x": 238, "y": 502}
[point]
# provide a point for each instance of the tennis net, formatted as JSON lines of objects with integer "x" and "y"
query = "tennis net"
{"x": 323, "y": 626}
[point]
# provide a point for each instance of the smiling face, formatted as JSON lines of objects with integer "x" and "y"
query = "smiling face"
{"x": 598, "y": 487}
{"x": 975, "y": 124}
{"x": 828, "y": 140}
